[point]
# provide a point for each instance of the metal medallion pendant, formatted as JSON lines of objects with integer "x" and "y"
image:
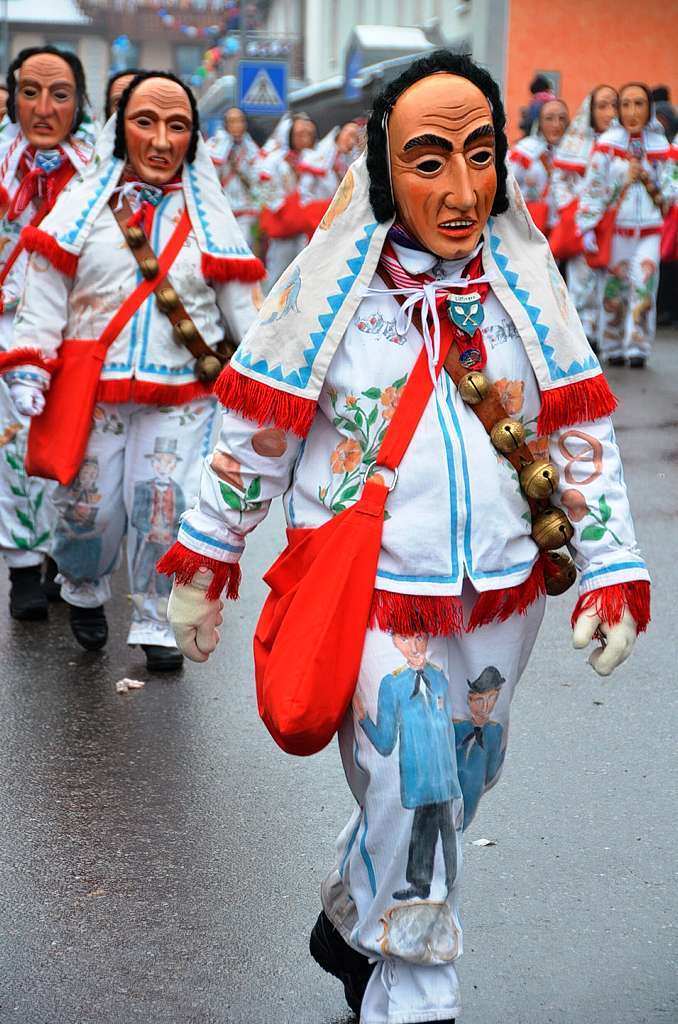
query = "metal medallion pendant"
{"x": 466, "y": 312}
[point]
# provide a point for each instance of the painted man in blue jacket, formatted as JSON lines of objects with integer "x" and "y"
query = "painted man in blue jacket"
{"x": 480, "y": 747}
{"x": 414, "y": 707}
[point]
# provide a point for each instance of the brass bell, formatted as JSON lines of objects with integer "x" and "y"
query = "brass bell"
{"x": 551, "y": 529}
{"x": 149, "y": 267}
{"x": 135, "y": 236}
{"x": 559, "y": 573}
{"x": 539, "y": 479}
{"x": 473, "y": 387}
{"x": 185, "y": 331}
{"x": 207, "y": 368}
{"x": 507, "y": 435}
{"x": 167, "y": 299}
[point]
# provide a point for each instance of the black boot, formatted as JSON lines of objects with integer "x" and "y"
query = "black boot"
{"x": 335, "y": 956}
{"x": 637, "y": 362}
{"x": 51, "y": 588}
{"x": 89, "y": 627}
{"x": 413, "y": 892}
{"x": 162, "y": 659}
{"x": 616, "y": 361}
{"x": 27, "y": 601}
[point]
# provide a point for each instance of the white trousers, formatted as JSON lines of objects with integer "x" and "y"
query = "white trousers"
{"x": 586, "y": 288}
{"x": 281, "y": 252}
{"x": 140, "y": 473}
{"x": 27, "y": 515}
{"x": 629, "y": 315}
{"x": 424, "y": 739}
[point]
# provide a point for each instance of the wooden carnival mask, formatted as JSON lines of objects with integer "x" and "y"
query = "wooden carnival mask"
{"x": 117, "y": 89}
{"x": 158, "y": 127}
{"x": 553, "y": 121}
{"x": 634, "y": 108}
{"x": 441, "y": 142}
{"x": 46, "y": 100}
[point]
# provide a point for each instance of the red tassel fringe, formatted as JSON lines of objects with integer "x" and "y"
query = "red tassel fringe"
{"x": 218, "y": 268}
{"x": 146, "y": 393}
{"x": 580, "y": 402}
{"x": 500, "y": 605}
{"x": 36, "y": 240}
{"x": 416, "y": 613}
{"x": 183, "y": 564}
{"x": 25, "y": 357}
{"x": 264, "y": 404}
{"x": 609, "y": 603}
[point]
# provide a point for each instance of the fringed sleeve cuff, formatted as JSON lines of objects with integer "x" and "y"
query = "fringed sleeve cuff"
{"x": 183, "y": 564}
{"x": 610, "y": 602}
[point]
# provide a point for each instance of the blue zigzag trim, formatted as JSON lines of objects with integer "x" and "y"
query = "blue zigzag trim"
{"x": 556, "y": 372}
{"x": 300, "y": 378}
{"x": 240, "y": 251}
{"x": 70, "y": 237}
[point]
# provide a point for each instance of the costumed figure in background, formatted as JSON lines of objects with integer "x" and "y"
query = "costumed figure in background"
{"x": 47, "y": 144}
{"x": 532, "y": 162}
{"x": 570, "y": 163}
{"x": 629, "y": 182}
{"x": 144, "y": 255}
{"x": 235, "y": 155}
{"x": 115, "y": 87}
{"x": 289, "y": 177}
{"x": 426, "y": 278}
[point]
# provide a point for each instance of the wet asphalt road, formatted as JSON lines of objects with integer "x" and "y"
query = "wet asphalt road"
{"x": 160, "y": 858}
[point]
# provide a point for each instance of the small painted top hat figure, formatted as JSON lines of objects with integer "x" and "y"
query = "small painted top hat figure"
{"x": 426, "y": 258}
{"x": 144, "y": 252}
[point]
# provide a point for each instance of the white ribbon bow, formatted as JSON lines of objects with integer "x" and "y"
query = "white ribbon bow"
{"x": 426, "y": 294}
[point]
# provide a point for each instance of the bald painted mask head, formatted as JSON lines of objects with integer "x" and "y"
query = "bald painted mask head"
{"x": 46, "y": 100}
{"x": 441, "y": 142}
{"x": 158, "y": 126}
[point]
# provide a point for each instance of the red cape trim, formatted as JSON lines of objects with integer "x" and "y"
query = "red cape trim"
{"x": 520, "y": 158}
{"x": 570, "y": 165}
{"x": 264, "y": 404}
{"x": 36, "y": 240}
{"x": 221, "y": 268}
{"x": 147, "y": 393}
{"x": 25, "y": 357}
{"x": 580, "y": 402}
{"x": 609, "y": 603}
{"x": 183, "y": 564}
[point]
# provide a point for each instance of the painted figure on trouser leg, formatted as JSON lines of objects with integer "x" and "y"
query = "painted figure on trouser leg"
{"x": 163, "y": 221}
{"x": 425, "y": 281}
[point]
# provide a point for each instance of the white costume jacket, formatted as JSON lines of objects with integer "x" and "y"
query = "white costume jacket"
{"x": 237, "y": 167}
{"x": 530, "y": 159}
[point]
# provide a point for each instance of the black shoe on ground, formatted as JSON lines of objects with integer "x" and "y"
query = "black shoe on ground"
{"x": 27, "y": 601}
{"x": 89, "y": 627}
{"x": 335, "y": 956}
{"x": 637, "y": 362}
{"x": 162, "y": 659}
{"x": 50, "y": 587}
{"x": 616, "y": 361}
{"x": 415, "y": 892}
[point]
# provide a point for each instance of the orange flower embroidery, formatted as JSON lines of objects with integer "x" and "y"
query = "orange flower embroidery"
{"x": 389, "y": 399}
{"x": 511, "y": 394}
{"x": 351, "y": 400}
{"x": 346, "y": 456}
{"x": 575, "y": 503}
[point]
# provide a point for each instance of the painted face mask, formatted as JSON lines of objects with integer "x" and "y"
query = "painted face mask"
{"x": 117, "y": 89}
{"x": 603, "y": 108}
{"x": 158, "y": 125}
{"x": 441, "y": 142}
{"x": 46, "y": 100}
{"x": 634, "y": 110}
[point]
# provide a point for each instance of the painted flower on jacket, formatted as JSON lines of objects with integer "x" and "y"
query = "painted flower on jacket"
{"x": 346, "y": 456}
{"x": 389, "y": 399}
{"x": 511, "y": 394}
{"x": 539, "y": 447}
{"x": 574, "y": 503}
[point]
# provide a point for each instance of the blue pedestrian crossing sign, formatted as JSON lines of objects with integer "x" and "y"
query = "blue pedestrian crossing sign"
{"x": 262, "y": 86}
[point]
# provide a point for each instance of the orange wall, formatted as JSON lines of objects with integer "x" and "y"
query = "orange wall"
{"x": 589, "y": 42}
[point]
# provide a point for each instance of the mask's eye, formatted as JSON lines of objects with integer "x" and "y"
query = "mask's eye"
{"x": 430, "y": 166}
{"x": 142, "y": 121}
{"x": 481, "y": 157}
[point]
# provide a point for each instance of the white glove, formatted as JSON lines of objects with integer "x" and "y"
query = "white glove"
{"x": 193, "y": 618}
{"x": 29, "y": 400}
{"x": 589, "y": 241}
{"x": 619, "y": 640}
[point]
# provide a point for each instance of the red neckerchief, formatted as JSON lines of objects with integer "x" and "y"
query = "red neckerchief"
{"x": 146, "y": 210}
{"x": 36, "y": 183}
{"x": 471, "y": 348}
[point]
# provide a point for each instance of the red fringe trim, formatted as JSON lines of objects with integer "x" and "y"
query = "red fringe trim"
{"x": 579, "y": 402}
{"x": 25, "y": 357}
{"x": 146, "y": 393}
{"x": 416, "y": 613}
{"x": 500, "y": 605}
{"x": 183, "y": 564}
{"x": 609, "y": 603}
{"x": 264, "y": 404}
{"x": 218, "y": 268}
{"x": 36, "y": 240}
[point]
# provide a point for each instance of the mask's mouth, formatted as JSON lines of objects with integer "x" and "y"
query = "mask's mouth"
{"x": 458, "y": 227}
